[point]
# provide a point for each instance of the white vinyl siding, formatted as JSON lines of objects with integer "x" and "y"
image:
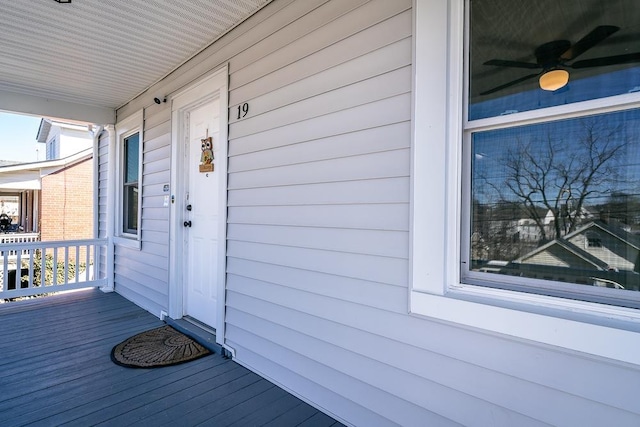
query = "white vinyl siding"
{"x": 318, "y": 236}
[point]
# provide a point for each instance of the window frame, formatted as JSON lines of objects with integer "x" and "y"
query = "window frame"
{"x": 124, "y": 129}
{"x": 128, "y": 185}
{"x": 52, "y": 149}
{"x": 436, "y": 289}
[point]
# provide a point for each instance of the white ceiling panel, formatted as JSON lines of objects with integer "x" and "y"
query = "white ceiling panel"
{"x": 103, "y": 53}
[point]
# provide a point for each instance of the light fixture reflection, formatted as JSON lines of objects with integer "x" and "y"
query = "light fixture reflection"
{"x": 554, "y": 79}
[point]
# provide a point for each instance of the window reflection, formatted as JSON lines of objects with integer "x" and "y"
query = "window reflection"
{"x": 513, "y": 44}
{"x": 559, "y": 200}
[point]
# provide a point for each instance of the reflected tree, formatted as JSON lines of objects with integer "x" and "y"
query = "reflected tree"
{"x": 561, "y": 174}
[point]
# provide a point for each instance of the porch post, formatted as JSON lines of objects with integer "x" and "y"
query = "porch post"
{"x": 111, "y": 202}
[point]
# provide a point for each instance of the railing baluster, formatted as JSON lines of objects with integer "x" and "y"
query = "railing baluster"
{"x": 77, "y": 261}
{"x": 43, "y": 267}
{"x": 32, "y": 253}
{"x": 96, "y": 261}
{"x": 87, "y": 261}
{"x": 18, "y": 269}
{"x": 5, "y": 271}
{"x": 66, "y": 264}
{"x": 55, "y": 266}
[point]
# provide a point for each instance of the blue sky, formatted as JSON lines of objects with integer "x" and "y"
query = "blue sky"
{"x": 18, "y": 138}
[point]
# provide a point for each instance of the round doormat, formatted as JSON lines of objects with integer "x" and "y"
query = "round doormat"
{"x": 162, "y": 346}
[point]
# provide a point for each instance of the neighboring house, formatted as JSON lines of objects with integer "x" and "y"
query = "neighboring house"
{"x": 327, "y": 242}
{"x": 63, "y": 139}
{"x": 66, "y": 202}
{"x": 612, "y": 247}
{"x": 52, "y": 197}
{"x": 595, "y": 247}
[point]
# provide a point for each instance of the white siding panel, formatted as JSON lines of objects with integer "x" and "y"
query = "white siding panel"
{"x": 153, "y": 202}
{"x": 157, "y": 249}
{"x": 159, "y": 152}
{"x": 372, "y": 294}
{"x": 308, "y": 333}
{"x": 383, "y": 138}
{"x": 362, "y": 43}
{"x": 380, "y": 113}
{"x": 158, "y": 178}
{"x": 324, "y": 397}
{"x": 385, "y": 190}
{"x": 161, "y": 165}
{"x": 140, "y": 271}
{"x": 160, "y": 237}
{"x": 333, "y": 31}
{"x": 306, "y": 24}
{"x": 157, "y": 131}
{"x": 380, "y": 87}
{"x": 378, "y": 62}
{"x": 595, "y": 380}
{"x": 144, "y": 297}
{"x": 388, "y": 164}
{"x": 391, "y": 271}
{"x": 156, "y": 214}
{"x": 384, "y": 403}
{"x": 155, "y": 115}
{"x": 369, "y": 242}
{"x": 157, "y": 143}
{"x": 391, "y": 217}
{"x": 155, "y": 225}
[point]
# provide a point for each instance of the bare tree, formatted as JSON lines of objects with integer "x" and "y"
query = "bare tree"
{"x": 561, "y": 175}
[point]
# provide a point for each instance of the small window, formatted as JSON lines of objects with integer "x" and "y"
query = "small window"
{"x": 542, "y": 159}
{"x": 594, "y": 241}
{"x": 53, "y": 149}
{"x": 130, "y": 190}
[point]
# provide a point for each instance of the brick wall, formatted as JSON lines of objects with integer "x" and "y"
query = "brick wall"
{"x": 66, "y": 210}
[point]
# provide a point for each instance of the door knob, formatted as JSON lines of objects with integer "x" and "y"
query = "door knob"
{"x": 187, "y": 223}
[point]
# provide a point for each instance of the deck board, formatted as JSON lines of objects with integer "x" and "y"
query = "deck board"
{"x": 56, "y": 370}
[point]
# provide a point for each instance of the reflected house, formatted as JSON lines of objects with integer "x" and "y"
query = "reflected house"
{"x": 607, "y": 251}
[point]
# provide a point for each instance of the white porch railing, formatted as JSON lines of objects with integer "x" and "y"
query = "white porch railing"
{"x": 19, "y": 238}
{"x": 43, "y": 267}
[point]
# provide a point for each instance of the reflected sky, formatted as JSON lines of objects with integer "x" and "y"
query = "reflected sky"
{"x": 599, "y": 86}
{"x": 492, "y": 150}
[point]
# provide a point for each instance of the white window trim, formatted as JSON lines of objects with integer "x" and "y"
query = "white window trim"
{"x": 436, "y": 292}
{"x": 125, "y": 128}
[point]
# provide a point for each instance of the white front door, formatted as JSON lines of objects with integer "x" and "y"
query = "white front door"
{"x": 199, "y": 205}
{"x": 201, "y": 219}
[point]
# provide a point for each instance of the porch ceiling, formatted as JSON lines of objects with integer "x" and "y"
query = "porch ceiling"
{"x": 84, "y": 59}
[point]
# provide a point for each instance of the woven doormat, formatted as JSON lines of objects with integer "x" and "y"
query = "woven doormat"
{"x": 158, "y": 347}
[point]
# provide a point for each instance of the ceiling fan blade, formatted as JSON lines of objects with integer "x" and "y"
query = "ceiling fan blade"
{"x": 515, "y": 64}
{"x": 511, "y": 83}
{"x": 587, "y": 42}
{"x": 607, "y": 60}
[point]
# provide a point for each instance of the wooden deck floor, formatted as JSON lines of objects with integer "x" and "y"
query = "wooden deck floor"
{"x": 55, "y": 369}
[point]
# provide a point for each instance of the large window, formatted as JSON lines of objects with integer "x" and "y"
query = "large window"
{"x": 451, "y": 181}
{"x": 130, "y": 191}
{"x": 551, "y": 149}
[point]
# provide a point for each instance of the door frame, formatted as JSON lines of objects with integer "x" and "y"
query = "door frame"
{"x": 196, "y": 94}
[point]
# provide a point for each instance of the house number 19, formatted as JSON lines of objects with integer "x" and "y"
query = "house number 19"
{"x": 243, "y": 110}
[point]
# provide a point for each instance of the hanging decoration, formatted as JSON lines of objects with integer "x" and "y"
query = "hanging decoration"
{"x": 206, "y": 158}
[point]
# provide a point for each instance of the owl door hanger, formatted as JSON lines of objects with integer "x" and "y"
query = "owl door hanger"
{"x": 206, "y": 157}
